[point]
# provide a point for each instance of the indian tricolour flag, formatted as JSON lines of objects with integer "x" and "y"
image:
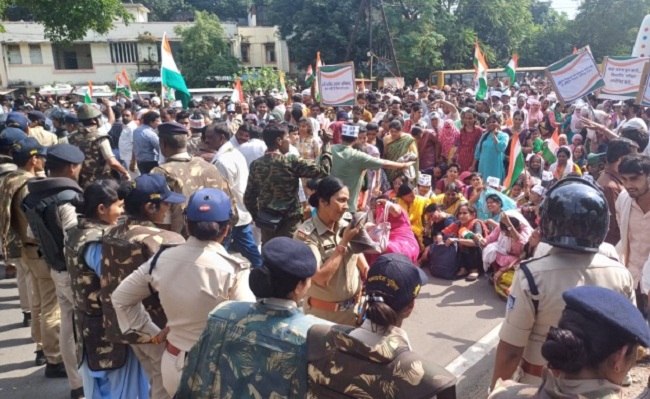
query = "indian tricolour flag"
{"x": 315, "y": 90}
{"x": 123, "y": 84}
{"x": 551, "y": 146}
{"x": 517, "y": 162}
{"x": 480, "y": 66}
{"x": 511, "y": 69}
{"x": 88, "y": 97}
{"x": 309, "y": 77}
{"x": 237, "y": 95}
{"x": 170, "y": 75}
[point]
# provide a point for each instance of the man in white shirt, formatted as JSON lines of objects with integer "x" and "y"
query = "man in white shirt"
{"x": 125, "y": 143}
{"x": 255, "y": 147}
{"x": 232, "y": 165}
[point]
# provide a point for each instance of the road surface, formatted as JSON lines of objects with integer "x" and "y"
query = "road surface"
{"x": 454, "y": 324}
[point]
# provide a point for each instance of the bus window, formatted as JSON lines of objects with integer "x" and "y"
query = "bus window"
{"x": 435, "y": 78}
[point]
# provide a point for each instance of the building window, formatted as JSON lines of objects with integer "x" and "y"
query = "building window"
{"x": 124, "y": 53}
{"x": 245, "y": 53}
{"x": 269, "y": 49}
{"x": 35, "y": 55}
{"x": 13, "y": 53}
{"x": 77, "y": 56}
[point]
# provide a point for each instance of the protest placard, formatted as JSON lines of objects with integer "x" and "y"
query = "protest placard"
{"x": 575, "y": 76}
{"x": 336, "y": 85}
{"x": 622, "y": 76}
{"x": 643, "y": 97}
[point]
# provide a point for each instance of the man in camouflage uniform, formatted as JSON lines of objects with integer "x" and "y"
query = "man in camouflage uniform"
{"x": 96, "y": 147}
{"x": 124, "y": 249}
{"x": 8, "y": 138}
{"x": 184, "y": 173}
{"x": 273, "y": 182}
{"x": 29, "y": 156}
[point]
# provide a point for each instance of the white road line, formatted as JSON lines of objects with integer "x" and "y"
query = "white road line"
{"x": 474, "y": 353}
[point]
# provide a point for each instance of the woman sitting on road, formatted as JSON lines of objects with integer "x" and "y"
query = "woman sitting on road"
{"x": 451, "y": 199}
{"x": 502, "y": 249}
{"x": 402, "y": 240}
{"x": 467, "y": 232}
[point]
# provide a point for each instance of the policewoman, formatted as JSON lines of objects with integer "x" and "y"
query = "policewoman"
{"x": 574, "y": 219}
{"x": 379, "y": 348}
{"x": 257, "y": 350}
{"x": 337, "y": 283}
{"x": 590, "y": 351}
{"x": 190, "y": 280}
{"x": 124, "y": 248}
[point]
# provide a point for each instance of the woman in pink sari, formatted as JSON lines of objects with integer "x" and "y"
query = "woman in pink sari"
{"x": 402, "y": 240}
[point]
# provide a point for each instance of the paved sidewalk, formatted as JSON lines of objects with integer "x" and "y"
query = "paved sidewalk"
{"x": 19, "y": 377}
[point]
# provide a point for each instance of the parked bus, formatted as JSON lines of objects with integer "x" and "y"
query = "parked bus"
{"x": 466, "y": 76}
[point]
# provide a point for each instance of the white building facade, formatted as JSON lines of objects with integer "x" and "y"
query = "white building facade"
{"x": 30, "y": 60}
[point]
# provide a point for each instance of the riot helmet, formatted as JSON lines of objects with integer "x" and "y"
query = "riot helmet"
{"x": 574, "y": 215}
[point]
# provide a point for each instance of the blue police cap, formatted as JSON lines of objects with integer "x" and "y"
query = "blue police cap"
{"x": 396, "y": 279}
{"x": 10, "y": 136}
{"x": 66, "y": 153}
{"x": 208, "y": 205}
{"x": 172, "y": 128}
{"x": 16, "y": 119}
{"x": 153, "y": 188}
{"x": 611, "y": 308}
{"x": 36, "y": 116}
{"x": 27, "y": 147}
{"x": 70, "y": 118}
{"x": 288, "y": 256}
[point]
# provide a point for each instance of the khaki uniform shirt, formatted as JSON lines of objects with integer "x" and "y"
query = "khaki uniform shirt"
{"x": 346, "y": 282}
{"x": 559, "y": 271}
{"x": 191, "y": 280}
{"x": 45, "y": 138}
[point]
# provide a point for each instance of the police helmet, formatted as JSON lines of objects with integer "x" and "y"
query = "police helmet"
{"x": 574, "y": 215}
{"x": 57, "y": 114}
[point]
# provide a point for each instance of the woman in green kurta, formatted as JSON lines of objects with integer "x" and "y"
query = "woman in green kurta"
{"x": 397, "y": 144}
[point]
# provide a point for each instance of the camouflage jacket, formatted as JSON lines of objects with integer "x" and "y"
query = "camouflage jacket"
{"x": 92, "y": 344}
{"x": 10, "y": 184}
{"x": 552, "y": 388}
{"x": 13, "y": 245}
{"x": 273, "y": 182}
{"x": 341, "y": 366}
{"x": 124, "y": 249}
{"x": 185, "y": 175}
{"x": 249, "y": 351}
{"x": 88, "y": 139}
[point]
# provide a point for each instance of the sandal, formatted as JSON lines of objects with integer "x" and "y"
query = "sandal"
{"x": 473, "y": 276}
{"x": 462, "y": 273}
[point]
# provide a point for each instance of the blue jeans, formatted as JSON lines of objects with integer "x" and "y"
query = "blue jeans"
{"x": 241, "y": 240}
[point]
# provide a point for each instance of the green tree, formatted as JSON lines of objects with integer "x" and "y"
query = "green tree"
{"x": 609, "y": 27}
{"x": 205, "y": 52}
{"x": 500, "y": 25}
{"x": 265, "y": 78}
{"x": 65, "y": 23}
{"x": 225, "y": 9}
{"x": 166, "y": 10}
{"x": 551, "y": 38}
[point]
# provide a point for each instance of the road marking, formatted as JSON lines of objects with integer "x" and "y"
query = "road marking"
{"x": 474, "y": 353}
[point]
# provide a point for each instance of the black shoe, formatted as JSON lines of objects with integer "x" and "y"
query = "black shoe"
{"x": 77, "y": 393}
{"x": 40, "y": 358}
{"x": 27, "y": 319}
{"x": 55, "y": 371}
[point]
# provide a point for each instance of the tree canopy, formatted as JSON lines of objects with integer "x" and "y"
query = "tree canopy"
{"x": 205, "y": 51}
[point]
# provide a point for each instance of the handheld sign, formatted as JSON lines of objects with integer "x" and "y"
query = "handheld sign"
{"x": 622, "y": 76}
{"x": 337, "y": 85}
{"x": 575, "y": 76}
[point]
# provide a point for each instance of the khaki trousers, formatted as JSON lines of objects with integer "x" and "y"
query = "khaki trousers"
{"x": 171, "y": 368}
{"x": 24, "y": 282}
{"x": 66, "y": 335}
{"x": 150, "y": 356}
{"x": 46, "y": 317}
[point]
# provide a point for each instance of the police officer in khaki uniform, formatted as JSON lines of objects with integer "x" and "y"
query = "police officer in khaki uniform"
{"x": 191, "y": 280}
{"x": 184, "y": 173}
{"x": 574, "y": 219}
{"x": 336, "y": 286}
